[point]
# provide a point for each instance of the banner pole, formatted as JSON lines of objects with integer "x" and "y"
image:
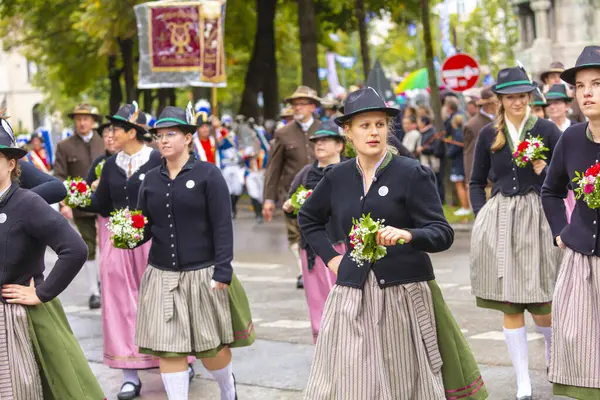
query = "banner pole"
{"x": 214, "y": 101}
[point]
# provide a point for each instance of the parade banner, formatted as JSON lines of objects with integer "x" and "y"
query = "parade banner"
{"x": 181, "y": 44}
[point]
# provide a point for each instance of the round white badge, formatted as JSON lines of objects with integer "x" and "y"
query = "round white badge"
{"x": 3, "y": 218}
{"x": 142, "y": 176}
{"x": 383, "y": 191}
{"x": 190, "y": 184}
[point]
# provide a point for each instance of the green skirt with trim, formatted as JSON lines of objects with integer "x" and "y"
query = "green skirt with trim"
{"x": 64, "y": 370}
{"x": 241, "y": 319}
{"x": 576, "y": 392}
{"x": 462, "y": 379}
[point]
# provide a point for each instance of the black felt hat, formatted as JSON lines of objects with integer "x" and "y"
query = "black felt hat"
{"x": 558, "y": 92}
{"x": 589, "y": 58}
{"x": 175, "y": 117}
{"x": 8, "y": 145}
{"x": 329, "y": 129}
{"x": 361, "y": 101}
{"x": 127, "y": 117}
{"x": 512, "y": 81}
{"x": 539, "y": 100}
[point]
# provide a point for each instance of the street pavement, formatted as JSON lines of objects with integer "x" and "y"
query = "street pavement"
{"x": 277, "y": 366}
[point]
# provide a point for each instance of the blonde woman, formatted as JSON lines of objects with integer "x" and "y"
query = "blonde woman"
{"x": 513, "y": 262}
{"x": 386, "y": 331}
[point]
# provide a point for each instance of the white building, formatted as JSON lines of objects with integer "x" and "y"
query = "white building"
{"x": 555, "y": 30}
{"x": 17, "y": 94}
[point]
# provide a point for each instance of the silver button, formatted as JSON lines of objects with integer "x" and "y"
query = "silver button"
{"x": 362, "y": 197}
{"x": 167, "y": 204}
{"x": 170, "y": 225}
{"x": 374, "y": 179}
{"x": 168, "y": 184}
{"x": 173, "y": 255}
{"x": 514, "y": 179}
{"x": 173, "y": 264}
{"x": 594, "y": 236}
{"x": 513, "y": 169}
{"x": 382, "y": 281}
{"x": 172, "y": 235}
{"x": 167, "y": 194}
{"x": 172, "y": 245}
{"x": 594, "y": 222}
{"x": 169, "y": 216}
{"x": 514, "y": 188}
{"x": 592, "y": 251}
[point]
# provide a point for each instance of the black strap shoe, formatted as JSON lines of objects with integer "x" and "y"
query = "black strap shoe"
{"x": 129, "y": 394}
{"x": 300, "y": 283}
{"x": 235, "y": 386}
{"x": 191, "y": 372}
{"x": 94, "y": 302}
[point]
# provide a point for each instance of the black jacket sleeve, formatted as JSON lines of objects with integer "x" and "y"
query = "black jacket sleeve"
{"x": 555, "y": 190}
{"x": 481, "y": 169}
{"x": 313, "y": 218}
{"x": 142, "y": 205}
{"x": 45, "y": 185}
{"x": 219, "y": 215}
{"x": 433, "y": 233}
{"x": 51, "y": 228}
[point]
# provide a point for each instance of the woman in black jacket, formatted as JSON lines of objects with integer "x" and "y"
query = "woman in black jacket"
{"x": 513, "y": 263}
{"x": 386, "y": 331}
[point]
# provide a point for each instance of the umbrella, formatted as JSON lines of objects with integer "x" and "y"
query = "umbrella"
{"x": 378, "y": 81}
{"x": 418, "y": 79}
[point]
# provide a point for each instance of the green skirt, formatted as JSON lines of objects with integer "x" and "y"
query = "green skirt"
{"x": 462, "y": 379}
{"x": 576, "y": 392}
{"x": 64, "y": 370}
{"x": 241, "y": 318}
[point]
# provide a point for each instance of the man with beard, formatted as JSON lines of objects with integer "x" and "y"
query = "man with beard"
{"x": 290, "y": 151}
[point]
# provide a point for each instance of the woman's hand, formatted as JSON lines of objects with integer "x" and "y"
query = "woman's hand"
{"x": 218, "y": 285}
{"x": 19, "y": 294}
{"x": 390, "y": 236}
{"x": 538, "y": 166}
{"x": 419, "y": 150}
{"x": 287, "y": 206}
{"x": 95, "y": 185}
{"x": 334, "y": 264}
{"x": 560, "y": 243}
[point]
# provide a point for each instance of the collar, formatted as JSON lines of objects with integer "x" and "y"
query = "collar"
{"x": 187, "y": 166}
{"x": 306, "y": 125}
{"x": 490, "y": 116}
{"x": 381, "y": 164}
{"x": 8, "y": 192}
{"x": 144, "y": 149}
{"x": 512, "y": 129}
{"x": 525, "y": 128}
{"x": 87, "y": 138}
{"x": 565, "y": 125}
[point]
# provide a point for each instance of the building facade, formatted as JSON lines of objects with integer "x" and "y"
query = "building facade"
{"x": 554, "y": 30}
{"x": 16, "y": 93}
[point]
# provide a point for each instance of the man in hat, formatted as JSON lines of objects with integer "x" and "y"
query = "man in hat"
{"x": 74, "y": 157}
{"x": 488, "y": 106}
{"x": 552, "y": 77}
{"x": 330, "y": 110}
{"x": 558, "y": 106}
{"x": 286, "y": 116}
{"x": 290, "y": 151}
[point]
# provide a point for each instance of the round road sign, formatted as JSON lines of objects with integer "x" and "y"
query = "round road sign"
{"x": 460, "y": 72}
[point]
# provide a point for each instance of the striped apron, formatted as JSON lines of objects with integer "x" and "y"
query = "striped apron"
{"x": 19, "y": 373}
{"x": 513, "y": 258}
{"x": 575, "y": 357}
{"x": 179, "y": 312}
{"x": 377, "y": 344}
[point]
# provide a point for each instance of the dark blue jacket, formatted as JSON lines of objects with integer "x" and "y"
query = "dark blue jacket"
{"x": 404, "y": 195}
{"x": 189, "y": 219}
{"x": 507, "y": 177}
{"x": 574, "y": 152}
{"x": 49, "y": 188}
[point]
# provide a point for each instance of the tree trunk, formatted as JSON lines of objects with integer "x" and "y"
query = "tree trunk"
{"x": 172, "y": 97}
{"x": 362, "y": 33}
{"x": 114, "y": 75}
{"x": 435, "y": 101}
{"x": 307, "y": 24}
{"x": 126, "y": 46}
{"x": 262, "y": 69}
{"x": 147, "y": 96}
{"x": 163, "y": 97}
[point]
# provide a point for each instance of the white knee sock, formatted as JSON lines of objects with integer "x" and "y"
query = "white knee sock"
{"x": 547, "y": 332}
{"x": 91, "y": 270}
{"x": 516, "y": 340}
{"x": 224, "y": 378}
{"x": 295, "y": 249}
{"x": 177, "y": 385}
{"x": 130, "y": 375}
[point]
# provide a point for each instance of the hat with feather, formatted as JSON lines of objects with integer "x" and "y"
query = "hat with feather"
{"x": 187, "y": 120}
{"x": 129, "y": 117}
{"x": 8, "y": 145}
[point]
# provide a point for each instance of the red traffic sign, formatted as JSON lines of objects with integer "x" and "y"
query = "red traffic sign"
{"x": 460, "y": 72}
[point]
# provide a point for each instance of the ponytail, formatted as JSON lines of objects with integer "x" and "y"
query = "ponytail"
{"x": 499, "y": 124}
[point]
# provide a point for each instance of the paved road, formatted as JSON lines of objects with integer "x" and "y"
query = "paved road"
{"x": 277, "y": 366}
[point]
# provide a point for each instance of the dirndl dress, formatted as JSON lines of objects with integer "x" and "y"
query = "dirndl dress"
{"x": 400, "y": 342}
{"x": 513, "y": 259}
{"x": 103, "y": 233}
{"x": 121, "y": 273}
{"x": 318, "y": 281}
{"x": 40, "y": 358}
{"x": 179, "y": 314}
{"x": 575, "y": 360}
{"x": 570, "y": 205}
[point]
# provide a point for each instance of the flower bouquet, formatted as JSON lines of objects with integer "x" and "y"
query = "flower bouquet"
{"x": 126, "y": 228}
{"x": 79, "y": 194}
{"x": 529, "y": 150}
{"x": 588, "y": 186}
{"x": 363, "y": 240}
{"x": 98, "y": 169}
{"x": 299, "y": 198}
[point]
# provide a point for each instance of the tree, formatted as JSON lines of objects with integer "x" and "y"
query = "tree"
{"x": 435, "y": 101}
{"x": 307, "y": 24}
{"x": 362, "y": 34}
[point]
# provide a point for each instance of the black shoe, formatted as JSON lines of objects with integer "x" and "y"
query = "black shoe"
{"x": 300, "y": 282}
{"x": 130, "y": 394}
{"x": 235, "y": 386}
{"x": 525, "y": 398}
{"x": 94, "y": 302}
{"x": 191, "y": 372}
{"x": 259, "y": 220}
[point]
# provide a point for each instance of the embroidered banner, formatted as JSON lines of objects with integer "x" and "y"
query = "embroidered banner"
{"x": 181, "y": 44}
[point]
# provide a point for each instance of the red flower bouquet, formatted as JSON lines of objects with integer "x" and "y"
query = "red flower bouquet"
{"x": 529, "y": 150}
{"x": 588, "y": 186}
{"x": 79, "y": 194}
